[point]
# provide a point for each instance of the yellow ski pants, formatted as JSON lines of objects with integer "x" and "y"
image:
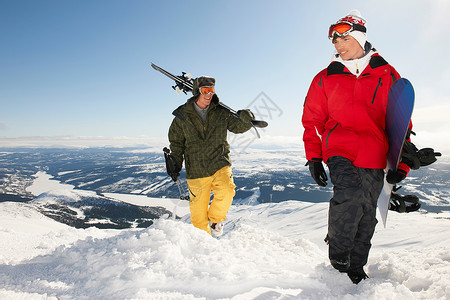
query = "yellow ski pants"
{"x": 222, "y": 186}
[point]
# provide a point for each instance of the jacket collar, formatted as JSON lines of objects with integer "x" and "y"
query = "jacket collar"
{"x": 214, "y": 100}
{"x": 337, "y": 67}
{"x": 188, "y": 107}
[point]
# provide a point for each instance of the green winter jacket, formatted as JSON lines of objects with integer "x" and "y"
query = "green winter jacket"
{"x": 203, "y": 144}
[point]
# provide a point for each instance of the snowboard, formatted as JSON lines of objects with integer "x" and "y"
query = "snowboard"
{"x": 399, "y": 109}
{"x": 184, "y": 83}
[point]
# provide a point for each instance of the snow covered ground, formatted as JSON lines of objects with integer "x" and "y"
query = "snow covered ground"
{"x": 268, "y": 251}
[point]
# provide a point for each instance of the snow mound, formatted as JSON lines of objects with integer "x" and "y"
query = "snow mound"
{"x": 270, "y": 251}
{"x": 169, "y": 257}
{"x": 26, "y": 233}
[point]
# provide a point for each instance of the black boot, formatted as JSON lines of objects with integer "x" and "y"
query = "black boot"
{"x": 341, "y": 263}
{"x": 356, "y": 275}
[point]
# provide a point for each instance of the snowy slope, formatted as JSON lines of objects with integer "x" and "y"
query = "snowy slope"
{"x": 269, "y": 251}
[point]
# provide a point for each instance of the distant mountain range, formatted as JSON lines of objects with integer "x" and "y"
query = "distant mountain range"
{"x": 261, "y": 175}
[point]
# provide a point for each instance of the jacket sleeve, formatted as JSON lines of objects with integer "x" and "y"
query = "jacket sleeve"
{"x": 177, "y": 142}
{"x": 315, "y": 116}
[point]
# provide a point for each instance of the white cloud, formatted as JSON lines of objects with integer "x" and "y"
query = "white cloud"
{"x": 436, "y": 115}
{"x": 84, "y": 142}
{"x": 439, "y": 23}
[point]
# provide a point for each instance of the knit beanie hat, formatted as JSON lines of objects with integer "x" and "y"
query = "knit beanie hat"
{"x": 202, "y": 81}
{"x": 354, "y": 16}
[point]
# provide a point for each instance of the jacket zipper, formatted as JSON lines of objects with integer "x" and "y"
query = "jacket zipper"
{"x": 326, "y": 143}
{"x": 376, "y": 89}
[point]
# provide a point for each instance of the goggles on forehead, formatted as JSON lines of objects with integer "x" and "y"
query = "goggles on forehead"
{"x": 342, "y": 29}
{"x": 205, "y": 90}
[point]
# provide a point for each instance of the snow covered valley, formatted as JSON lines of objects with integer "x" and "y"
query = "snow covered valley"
{"x": 269, "y": 250}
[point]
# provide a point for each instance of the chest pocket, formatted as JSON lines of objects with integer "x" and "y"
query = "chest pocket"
{"x": 377, "y": 101}
{"x": 379, "y": 85}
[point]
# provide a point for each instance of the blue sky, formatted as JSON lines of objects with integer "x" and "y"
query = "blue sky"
{"x": 82, "y": 68}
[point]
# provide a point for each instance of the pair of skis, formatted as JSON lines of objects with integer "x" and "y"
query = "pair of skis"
{"x": 184, "y": 83}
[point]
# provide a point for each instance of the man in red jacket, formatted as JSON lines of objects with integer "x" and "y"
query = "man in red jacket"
{"x": 344, "y": 120}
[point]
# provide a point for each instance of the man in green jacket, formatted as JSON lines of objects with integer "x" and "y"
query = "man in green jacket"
{"x": 198, "y": 134}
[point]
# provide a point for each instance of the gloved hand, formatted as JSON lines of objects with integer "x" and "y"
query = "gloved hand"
{"x": 395, "y": 177}
{"x": 427, "y": 156}
{"x": 172, "y": 168}
{"x": 415, "y": 158}
{"x": 317, "y": 171}
{"x": 174, "y": 174}
{"x": 246, "y": 115}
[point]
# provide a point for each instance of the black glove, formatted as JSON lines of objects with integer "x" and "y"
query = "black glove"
{"x": 397, "y": 203}
{"x": 427, "y": 156}
{"x": 415, "y": 158}
{"x": 317, "y": 171}
{"x": 174, "y": 175}
{"x": 395, "y": 177}
{"x": 246, "y": 115}
{"x": 409, "y": 155}
{"x": 172, "y": 169}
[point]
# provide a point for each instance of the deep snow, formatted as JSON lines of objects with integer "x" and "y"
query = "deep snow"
{"x": 268, "y": 251}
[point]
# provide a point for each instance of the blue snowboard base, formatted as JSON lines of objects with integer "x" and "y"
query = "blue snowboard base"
{"x": 398, "y": 116}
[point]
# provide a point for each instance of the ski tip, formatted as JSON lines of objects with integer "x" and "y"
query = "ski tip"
{"x": 259, "y": 123}
{"x": 154, "y": 66}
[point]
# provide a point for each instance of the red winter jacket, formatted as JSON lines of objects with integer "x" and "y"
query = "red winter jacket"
{"x": 344, "y": 115}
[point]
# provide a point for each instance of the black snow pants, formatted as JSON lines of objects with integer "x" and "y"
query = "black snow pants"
{"x": 352, "y": 212}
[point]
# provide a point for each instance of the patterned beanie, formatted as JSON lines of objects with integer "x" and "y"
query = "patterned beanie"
{"x": 354, "y": 16}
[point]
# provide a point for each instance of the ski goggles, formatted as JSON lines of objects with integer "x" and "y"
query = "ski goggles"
{"x": 205, "y": 90}
{"x": 342, "y": 29}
